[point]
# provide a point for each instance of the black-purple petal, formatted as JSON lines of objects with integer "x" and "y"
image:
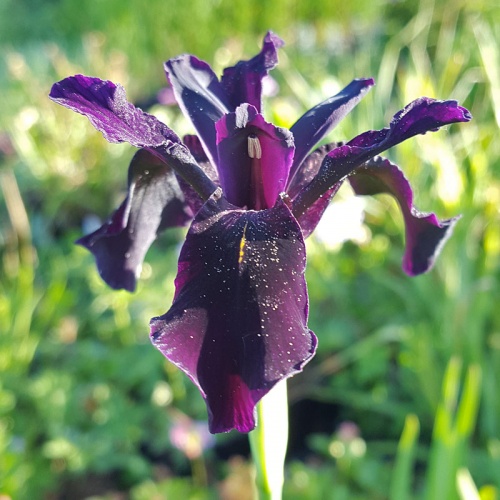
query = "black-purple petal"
{"x": 425, "y": 233}
{"x": 421, "y": 116}
{"x": 238, "y": 323}
{"x": 243, "y": 82}
{"x": 105, "y": 105}
{"x": 192, "y": 142}
{"x": 308, "y": 170}
{"x": 252, "y": 179}
{"x": 311, "y": 217}
{"x": 200, "y": 96}
{"x": 154, "y": 202}
{"x": 311, "y": 127}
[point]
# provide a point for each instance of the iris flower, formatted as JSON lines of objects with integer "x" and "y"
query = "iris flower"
{"x": 252, "y": 193}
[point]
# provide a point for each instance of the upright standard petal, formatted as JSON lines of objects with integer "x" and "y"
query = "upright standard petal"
{"x": 254, "y": 158}
{"x": 425, "y": 233}
{"x": 200, "y": 96}
{"x": 154, "y": 202}
{"x": 311, "y": 127}
{"x": 243, "y": 82}
{"x": 420, "y": 116}
{"x": 238, "y": 323}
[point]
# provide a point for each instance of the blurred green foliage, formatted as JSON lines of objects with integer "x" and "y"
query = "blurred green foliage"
{"x": 86, "y": 404}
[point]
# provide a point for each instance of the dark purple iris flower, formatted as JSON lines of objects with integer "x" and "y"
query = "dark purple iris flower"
{"x": 252, "y": 192}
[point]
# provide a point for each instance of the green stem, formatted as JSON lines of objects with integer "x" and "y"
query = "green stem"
{"x": 268, "y": 442}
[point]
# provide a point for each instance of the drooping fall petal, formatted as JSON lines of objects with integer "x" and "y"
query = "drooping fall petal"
{"x": 154, "y": 202}
{"x": 425, "y": 233}
{"x": 105, "y": 105}
{"x": 238, "y": 323}
{"x": 421, "y": 116}
{"x": 243, "y": 82}
{"x": 252, "y": 178}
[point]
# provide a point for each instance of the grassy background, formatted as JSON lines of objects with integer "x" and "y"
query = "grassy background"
{"x": 402, "y": 399}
